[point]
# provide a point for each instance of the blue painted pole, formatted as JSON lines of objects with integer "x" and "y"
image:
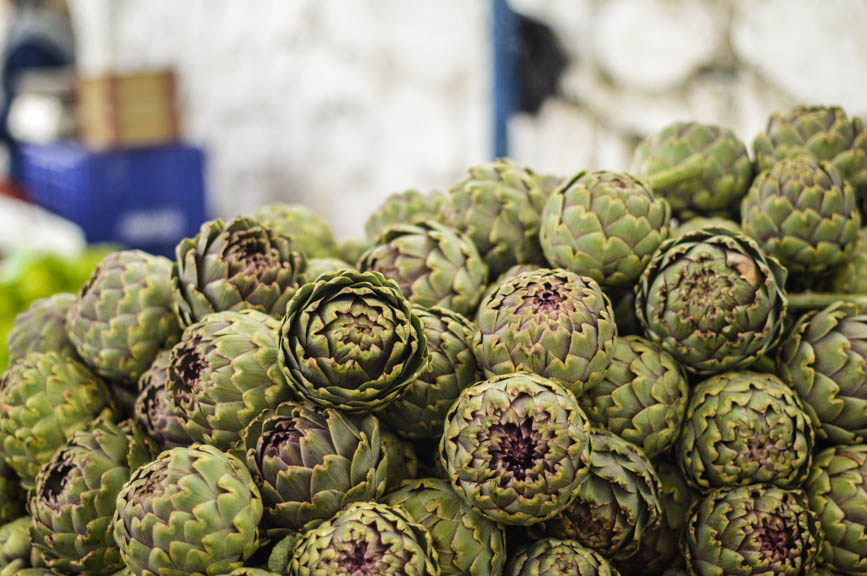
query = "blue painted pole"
{"x": 505, "y": 76}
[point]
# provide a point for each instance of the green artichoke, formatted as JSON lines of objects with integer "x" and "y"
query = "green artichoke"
{"x": 467, "y": 543}
{"x": 223, "y": 373}
{"x": 700, "y": 223}
{"x": 11, "y": 495}
{"x": 154, "y": 411}
{"x": 316, "y": 267}
{"x": 42, "y": 328}
{"x": 234, "y": 266}
{"x": 617, "y": 505}
{"x": 350, "y": 250}
{"x": 508, "y": 274}
{"x": 603, "y": 225}
{"x": 700, "y": 169}
{"x": 499, "y": 206}
{"x": 552, "y": 557}
{"x": 824, "y": 359}
{"x": 516, "y": 447}
{"x": 550, "y": 322}
{"x": 282, "y": 552}
{"x": 193, "y": 510}
{"x": 407, "y": 207}
{"x": 400, "y": 457}
{"x": 122, "y": 317}
{"x": 420, "y": 412}
{"x": 351, "y": 341}
{"x": 309, "y": 463}
{"x": 849, "y": 277}
{"x": 752, "y": 530}
{"x": 15, "y": 546}
{"x": 713, "y": 300}
{"x": 366, "y": 538}
{"x": 74, "y": 499}
{"x": 837, "y": 492}
{"x": 823, "y": 132}
{"x": 745, "y": 428}
{"x": 804, "y": 214}
{"x": 44, "y": 399}
{"x": 433, "y": 265}
{"x": 310, "y": 233}
{"x": 642, "y": 397}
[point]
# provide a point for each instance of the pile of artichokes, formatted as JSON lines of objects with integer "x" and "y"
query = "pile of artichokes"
{"x": 662, "y": 372}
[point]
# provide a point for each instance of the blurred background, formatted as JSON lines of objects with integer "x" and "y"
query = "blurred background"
{"x": 129, "y": 122}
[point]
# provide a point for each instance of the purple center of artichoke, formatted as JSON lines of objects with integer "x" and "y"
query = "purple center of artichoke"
{"x": 517, "y": 449}
{"x": 360, "y": 559}
{"x": 190, "y": 365}
{"x": 252, "y": 255}
{"x": 55, "y": 483}
{"x": 775, "y": 539}
{"x": 283, "y": 443}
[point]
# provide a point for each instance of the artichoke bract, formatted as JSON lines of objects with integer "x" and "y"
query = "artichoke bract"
{"x": 154, "y": 411}
{"x": 516, "y": 447}
{"x": 309, "y": 463}
{"x": 310, "y": 233}
{"x": 823, "y": 132}
{"x": 553, "y": 557}
{"x": 11, "y": 495}
{"x": 351, "y": 341}
{"x": 223, "y": 373}
{"x": 700, "y": 169}
{"x": 700, "y": 222}
{"x": 366, "y": 538}
{"x": 824, "y": 359}
{"x": 467, "y": 543}
{"x": 803, "y": 213}
{"x": 41, "y": 328}
{"x": 432, "y": 264}
{"x": 603, "y": 225}
{"x": 745, "y": 428}
{"x": 550, "y": 322}
{"x": 642, "y": 397}
{"x": 193, "y": 510}
{"x": 420, "y": 412}
{"x": 400, "y": 457}
{"x": 849, "y": 277}
{"x": 499, "y": 206}
{"x": 44, "y": 399}
{"x": 350, "y": 250}
{"x": 752, "y": 530}
{"x": 122, "y": 317}
{"x": 316, "y": 267}
{"x": 75, "y": 498}
{"x": 837, "y": 492}
{"x": 15, "y": 546}
{"x": 616, "y": 505}
{"x": 713, "y": 300}
{"x": 407, "y": 207}
{"x": 233, "y": 266}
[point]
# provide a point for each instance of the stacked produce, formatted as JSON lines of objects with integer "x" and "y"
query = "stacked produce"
{"x": 661, "y": 372}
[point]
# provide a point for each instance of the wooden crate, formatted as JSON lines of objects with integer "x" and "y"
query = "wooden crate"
{"x": 128, "y": 110}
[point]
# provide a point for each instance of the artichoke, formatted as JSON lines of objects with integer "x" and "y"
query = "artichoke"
{"x": 824, "y": 359}
{"x": 552, "y": 557}
{"x": 193, "y": 510}
{"x": 154, "y": 411}
{"x": 316, "y": 267}
{"x": 251, "y": 572}
{"x": 309, "y": 463}
{"x": 837, "y": 492}
{"x": 745, "y": 428}
{"x": 310, "y": 233}
{"x": 432, "y": 264}
{"x": 41, "y": 328}
{"x": 804, "y": 214}
{"x": 15, "y": 546}
{"x": 752, "y": 530}
{"x": 508, "y": 274}
{"x": 699, "y": 223}
{"x": 11, "y": 495}
{"x": 849, "y": 277}
{"x": 642, "y": 397}
{"x": 420, "y": 412}
{"x": 407, "y": 207}
{"x": 351, "y": 341}
{"x": 44, "y": 399}
{"x": 467, "y": 543}
{"x": 74, "y": 499}
{"x": 616, "y": 505}
{"x": 516, "y": 447}
{"x": 122, "y": 317}
{"x": 713, "y": 300}
{"x": 603, "y": 225}
{"x": 498, "y": 205}
{"x": 223, "y": 373}
{"x": 366, "y": 538}
{"x": 823, "y": 132}
{"x": 550, "y": 322}
{"x": 351, "y": 250}
{"x": 400, "y": 457}
{"x": 234, "y": 266}
{"x": 701, "y": 170}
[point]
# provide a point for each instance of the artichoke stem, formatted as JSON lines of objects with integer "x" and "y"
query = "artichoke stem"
{"x": 668, "y": 178}
{"x": 816, "y": 300}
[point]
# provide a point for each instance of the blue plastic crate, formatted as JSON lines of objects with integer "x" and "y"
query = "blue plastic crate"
{"x": 147, "y": 198}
